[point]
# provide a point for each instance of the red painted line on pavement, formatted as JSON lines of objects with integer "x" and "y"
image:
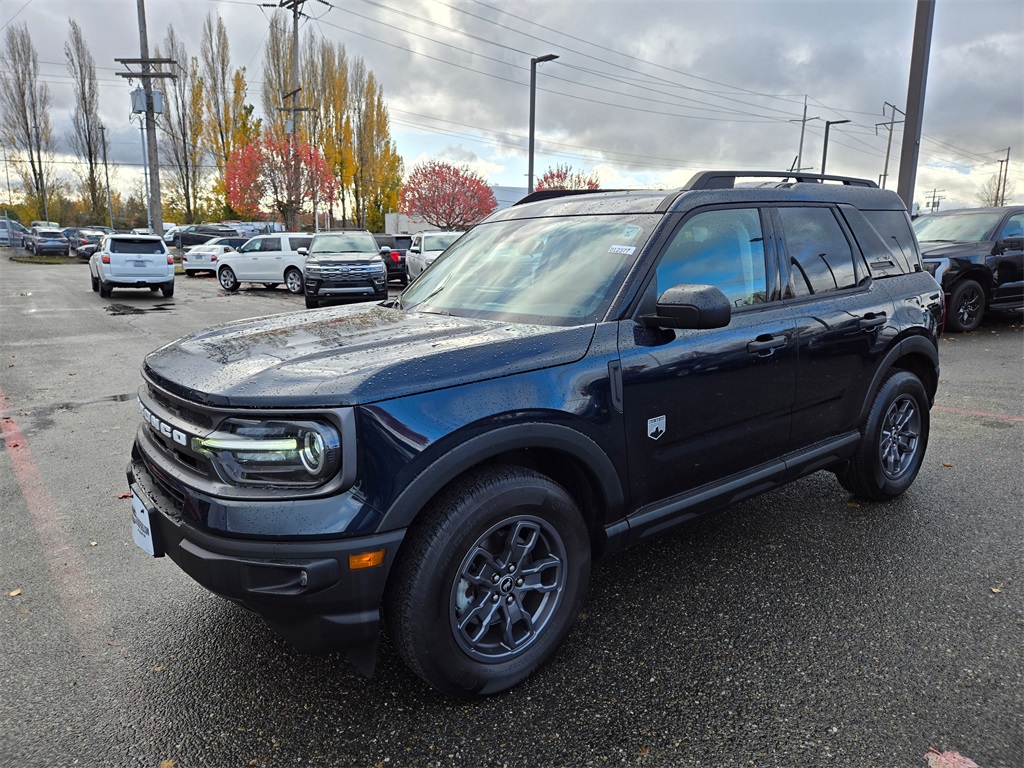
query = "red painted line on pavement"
{"x": 67, "y": 570}
{"x": 982, "y": 414}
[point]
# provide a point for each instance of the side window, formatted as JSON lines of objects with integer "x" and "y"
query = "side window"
{"x": 271, "y": 244}
{"x": 415, "y": 243}
{"x": 820, "y": 257}
{"x": 1015, "y": 226}
{"x": 300, "y": 242}
{"x": 250, "y": 247}
{"x": 723, "y": 248}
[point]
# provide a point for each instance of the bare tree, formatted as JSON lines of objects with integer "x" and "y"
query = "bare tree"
{"x": 182, "y": 125}
{"x": 988, "y": 192}
{"x": 277, "y": 73}
{"x": 86, "y": 138}
{"x": 25, "y": 116}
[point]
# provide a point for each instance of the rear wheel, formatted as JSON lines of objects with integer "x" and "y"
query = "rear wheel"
{"x": 966, "y": 306}
{"x": 168, "y": 289}
{"x": 190, "y": 273}
{"x": 226, "y": 278}
{"x": 489, "y": 581}
{"x": 895, "y": 437}
{"x": 105, "y": 289}
{"x": 293, "y": 280}
{"x": 94, "y": 281}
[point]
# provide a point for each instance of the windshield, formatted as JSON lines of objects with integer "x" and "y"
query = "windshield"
{"x": 440, "y": 241}
{"x": 957, "y": 228}
{"x": 344, "y": 242}
{"x": 552, "y": 271}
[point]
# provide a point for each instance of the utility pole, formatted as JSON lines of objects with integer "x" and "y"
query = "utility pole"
{"x": 106, "y": 172}
{"x": 933, "y": 206}
{"x": 888, "y": 144}
{"x": 824, "y": 146}
{"x": 146, "y": 76}
{"x": 294, "y": 179}
{"x": 911, "y": 147}
{"x": 1004, "y": 172}
{"x": 803, "y": 125}
{"x": 7, "y": 173}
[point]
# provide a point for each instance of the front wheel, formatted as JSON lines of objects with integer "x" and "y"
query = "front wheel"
{"x": 293, "y": 281}
{"x": 226, "y": 278}
{"x": 312, "y": 302}
{"x": 966, "y": 306}
{"x": 489, "y": 582}
{"x": 895, "y": 437}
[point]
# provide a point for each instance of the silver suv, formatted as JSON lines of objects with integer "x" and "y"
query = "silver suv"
{"x": 132, "y": 261}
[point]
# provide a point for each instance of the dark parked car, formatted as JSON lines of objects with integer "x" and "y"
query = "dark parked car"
{"x": 393, "y": 249}
{"x": 196, "y": 234}
{"x": 346, "y": 264}
{"x": 579, "y": 373}
{"x": 977, "y": 254}
{"x": 83, "y": 242}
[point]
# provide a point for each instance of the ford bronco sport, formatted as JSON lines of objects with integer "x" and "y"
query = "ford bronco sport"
{"x": 578, "y": 373}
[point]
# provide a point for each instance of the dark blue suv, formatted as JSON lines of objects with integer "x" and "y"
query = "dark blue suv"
{"x": 578, "y": 373}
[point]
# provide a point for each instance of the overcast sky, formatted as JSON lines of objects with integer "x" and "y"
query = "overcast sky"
{"x": 645, "y": 93}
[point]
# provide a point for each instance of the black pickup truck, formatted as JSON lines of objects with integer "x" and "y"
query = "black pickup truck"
{"x": 578, "y": 373}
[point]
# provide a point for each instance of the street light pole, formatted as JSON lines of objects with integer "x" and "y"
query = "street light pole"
{"x": 533, "y": 109}
{"x": 824, "y": 149}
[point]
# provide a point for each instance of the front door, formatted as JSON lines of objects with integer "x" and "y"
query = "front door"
{"x": 700, "y": 405}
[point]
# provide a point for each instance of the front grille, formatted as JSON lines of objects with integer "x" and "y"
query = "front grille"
{"x": 351, "y": 272}
{"x": 179, "y": 409}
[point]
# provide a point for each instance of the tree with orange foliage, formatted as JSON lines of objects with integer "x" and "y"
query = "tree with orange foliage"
{"x": 564, "y": 177}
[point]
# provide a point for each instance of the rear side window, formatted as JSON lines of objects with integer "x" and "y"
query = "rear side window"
{"x": 270, "y": 244}
{"x": 819, "y": 255}
{"x": 894, "y": 229}
{"x": 135, "y": 246}
{"x": 299, "y": 242}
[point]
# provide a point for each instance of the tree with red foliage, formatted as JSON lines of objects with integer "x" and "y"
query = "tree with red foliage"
{"x": 257, "y": 178}
{"x": 447, "y": 196}
{"x": 564, "y": 177}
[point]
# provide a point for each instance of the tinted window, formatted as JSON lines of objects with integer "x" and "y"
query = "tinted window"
{"x": 1015, "y": 226}
{"x": 271, "y": 244}
{"x": 135, "y": 246}
{"x": 820, "y": 257}
{"x": 723, "y": 248}
{"x": 300, "y": 242}
{"x": 344, "y": 242}
{"x": 894, "y": 229}
{"x": 968, "y": 227}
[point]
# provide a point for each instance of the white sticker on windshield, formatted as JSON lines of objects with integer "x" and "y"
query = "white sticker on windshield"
{"x": 625, "y": 250}
{"x": 630, "y": 231}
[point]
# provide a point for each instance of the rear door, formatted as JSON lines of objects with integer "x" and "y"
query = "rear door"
{"x": 844, "y": 321}
{"x": 1009, "y": 263}
{"x": 700, "y": 405}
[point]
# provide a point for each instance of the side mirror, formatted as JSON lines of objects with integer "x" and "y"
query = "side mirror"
{"x": 691, "y": 306}
{"x": 1013, "y": 243}
{"x": 302, "y": 251}
{"x": 385, "y": 250}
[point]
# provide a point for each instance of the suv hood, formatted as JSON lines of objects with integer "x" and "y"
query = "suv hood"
{"x": 937, "y": 250}
{"x": 353, "y": 355}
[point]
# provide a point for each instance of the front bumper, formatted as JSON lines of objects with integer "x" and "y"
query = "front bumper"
{"x": 303, "y": 589}
{"x": 322, "y": 288}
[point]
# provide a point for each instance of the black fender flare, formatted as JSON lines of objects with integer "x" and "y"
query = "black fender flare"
{"x": 911, "y": 345}
{"x": 441, "y": 471}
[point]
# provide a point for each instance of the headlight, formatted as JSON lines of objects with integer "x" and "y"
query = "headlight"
{"x": 312, "y": 269}
{"x": 265, "y": 454}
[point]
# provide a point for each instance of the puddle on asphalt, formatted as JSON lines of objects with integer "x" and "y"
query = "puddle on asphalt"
{"x": 127, "y": 309}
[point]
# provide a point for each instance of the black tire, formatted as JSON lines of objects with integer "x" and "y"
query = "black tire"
{"x": 895, "y": 438}
{"x": 489, "y": 581}
{"x": 293, "y": 281}
{"x": 270, "y": 286}
{"x": 94, "y": 281}
{"x": 312, "y": 302}
{"x": 168, "y": 289}
{"x": 966, "y": 307}
{"x": 226, "y": 278}
{"x": 177, "y": 243}
{"x": 154, "y": 288}
{"x": 190, "y": 273}
{"x": 105, "y": 290}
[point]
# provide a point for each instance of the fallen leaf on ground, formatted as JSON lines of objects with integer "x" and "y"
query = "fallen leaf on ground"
{"x": 938, "y": 759}
{"x": 168, "y": 763}
{"x": 124, "y": 496}
{"x": 946, "y": 464}
{"x": 852, "y": 504}
{"x": 14, "y": 593}
{"x": 997, "y": 590}
{"x": 92, "y": 543}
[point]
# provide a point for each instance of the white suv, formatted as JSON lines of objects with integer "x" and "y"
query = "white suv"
{"x": 268, "y": 259}
{"x": 132, "y": 261}
{"x": 424, "y": 249}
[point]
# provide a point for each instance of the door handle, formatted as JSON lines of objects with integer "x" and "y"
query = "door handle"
{"x": 765, "y": 345}
{"x": 871, "y": 320}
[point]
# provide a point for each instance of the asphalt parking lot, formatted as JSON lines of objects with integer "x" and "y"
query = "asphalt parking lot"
{"x": 800, "y": 628}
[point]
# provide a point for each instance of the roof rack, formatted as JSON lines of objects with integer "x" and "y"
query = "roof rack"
{"x": 548, "y": 194}
{"x": 727, "y": 179}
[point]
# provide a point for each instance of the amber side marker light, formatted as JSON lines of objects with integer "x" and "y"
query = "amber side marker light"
{"x": 366, "y": 559}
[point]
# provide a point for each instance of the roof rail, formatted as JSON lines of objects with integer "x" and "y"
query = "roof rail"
{"x": 548, "y": 194}
{"x": 727, "y": 179}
